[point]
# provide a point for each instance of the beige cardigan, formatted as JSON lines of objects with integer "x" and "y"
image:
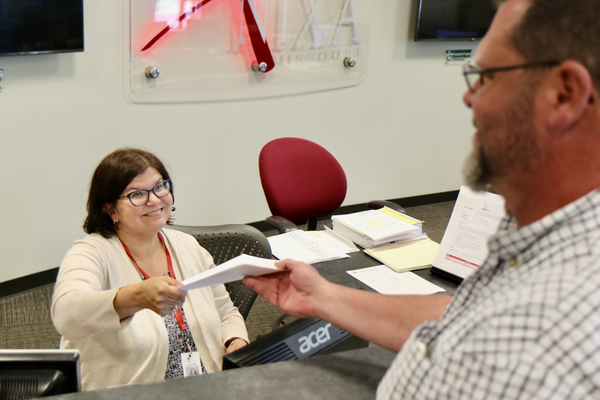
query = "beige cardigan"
{"x": 135, "y": 350}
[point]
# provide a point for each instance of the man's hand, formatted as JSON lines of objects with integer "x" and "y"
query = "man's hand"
{"x": 385, "y": 320}
{"x": 296, "y": 289}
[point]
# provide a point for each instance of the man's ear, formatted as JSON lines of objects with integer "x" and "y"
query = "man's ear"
{"x": 571, "y": 90}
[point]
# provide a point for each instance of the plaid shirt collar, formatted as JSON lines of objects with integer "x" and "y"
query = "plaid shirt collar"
{"x": 522, "y": 243}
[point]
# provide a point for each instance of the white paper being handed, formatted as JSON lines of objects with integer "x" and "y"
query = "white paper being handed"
{"x": 232, "y": 270}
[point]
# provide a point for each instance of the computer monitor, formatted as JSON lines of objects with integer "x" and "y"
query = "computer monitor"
{"x": 301, "y": 338}
{"x": 27, "y": 374}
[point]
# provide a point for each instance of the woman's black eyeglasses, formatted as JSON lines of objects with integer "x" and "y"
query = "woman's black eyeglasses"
{"x": 141, "y": 196}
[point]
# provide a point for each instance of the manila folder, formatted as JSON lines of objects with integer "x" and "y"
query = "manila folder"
{"x": 407, "y": 256}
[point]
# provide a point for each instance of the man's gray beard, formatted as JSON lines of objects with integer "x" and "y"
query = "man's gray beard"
{"x": 520, "y": 151}
{"x": 476, "y": 170}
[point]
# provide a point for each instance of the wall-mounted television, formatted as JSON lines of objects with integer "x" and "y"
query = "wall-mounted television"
{"x": 40, "y": 26}
{"x": 453, "y": 19}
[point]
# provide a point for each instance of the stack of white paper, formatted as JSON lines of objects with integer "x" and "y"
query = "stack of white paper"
{"x": 310, "y": 246}
{"x": 232, "y": 270}
{"x": 375, "y": 228}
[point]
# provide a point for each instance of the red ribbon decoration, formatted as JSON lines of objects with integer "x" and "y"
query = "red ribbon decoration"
{"x": 259, "y": 46}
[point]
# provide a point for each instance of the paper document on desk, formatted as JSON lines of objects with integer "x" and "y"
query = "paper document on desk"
{"x": 310, "y": 246}
{"x": 475, "y": 218}
{"x": 404, "y": 257}
{"x": 373, "y": 228}
{"x": 232, "y": 270}
{"x": 384, "y": 280}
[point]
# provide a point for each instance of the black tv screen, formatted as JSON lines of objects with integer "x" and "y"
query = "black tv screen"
{"x": 40, "y": 26}
{"x": 453, "y": 19}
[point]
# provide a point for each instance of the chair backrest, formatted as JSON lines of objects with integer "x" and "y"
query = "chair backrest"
{"x": 224, "y": 242}
{"x": 301, "y": 179}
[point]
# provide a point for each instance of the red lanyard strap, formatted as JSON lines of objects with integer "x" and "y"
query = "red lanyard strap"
{"x": 178, "y": 314}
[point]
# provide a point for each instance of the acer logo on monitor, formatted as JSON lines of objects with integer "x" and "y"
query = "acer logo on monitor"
{"x": 314, "y": 339}
{"x": 302, "y": 338}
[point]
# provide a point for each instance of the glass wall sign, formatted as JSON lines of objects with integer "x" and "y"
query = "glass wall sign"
{"x": 211, "y": 50}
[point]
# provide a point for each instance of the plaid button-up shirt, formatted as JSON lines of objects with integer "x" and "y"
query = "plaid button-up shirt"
{"x": 526, "y": 325}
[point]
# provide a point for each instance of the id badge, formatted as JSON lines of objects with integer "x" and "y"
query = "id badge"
{"x": 191, "y": 364}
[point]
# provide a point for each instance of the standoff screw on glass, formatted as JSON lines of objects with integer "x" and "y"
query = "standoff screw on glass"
{"x": 152, "y": 73}
{"x": 349, "y": 62}
{"x": 262, "y": 67}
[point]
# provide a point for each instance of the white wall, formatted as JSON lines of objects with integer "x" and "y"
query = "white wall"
{"x": 402, "y": 132}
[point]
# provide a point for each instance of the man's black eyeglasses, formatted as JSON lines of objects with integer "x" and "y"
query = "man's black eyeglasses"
{"x": 141, "y": 196}
{"x": 473, "y": 74}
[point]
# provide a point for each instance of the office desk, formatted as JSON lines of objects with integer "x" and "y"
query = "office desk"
{"x": 335, "y": 271}
{"x": 351, "y": 375}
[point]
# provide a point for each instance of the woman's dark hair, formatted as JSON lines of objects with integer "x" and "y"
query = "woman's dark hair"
{"x": 110, "y": 179}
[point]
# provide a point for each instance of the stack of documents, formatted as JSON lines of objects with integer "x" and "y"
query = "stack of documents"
{"x": 375, "y": 228}
{"x": 310, "y": 246}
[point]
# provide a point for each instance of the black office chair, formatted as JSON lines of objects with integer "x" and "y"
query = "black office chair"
{"x": 377, "y": 204}
{"x": 224, "y": 242}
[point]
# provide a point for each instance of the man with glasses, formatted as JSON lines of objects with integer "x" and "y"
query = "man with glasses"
{"x": 527, "y": 323}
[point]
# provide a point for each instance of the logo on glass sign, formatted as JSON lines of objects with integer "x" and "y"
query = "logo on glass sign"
{"x": 297, "y": 30}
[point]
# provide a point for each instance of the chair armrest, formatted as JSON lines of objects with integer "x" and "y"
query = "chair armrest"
{"x": 282, "y": 224}
{"x": 376, "y": 204}
{"x": 282, "y": 320}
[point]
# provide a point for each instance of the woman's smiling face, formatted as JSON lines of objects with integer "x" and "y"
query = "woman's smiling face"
{"x": 145, "y": 220}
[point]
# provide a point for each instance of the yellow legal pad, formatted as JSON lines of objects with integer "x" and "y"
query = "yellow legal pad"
{"x": 407, "y": 256}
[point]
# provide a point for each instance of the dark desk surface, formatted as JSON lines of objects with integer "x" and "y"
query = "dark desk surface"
{"x": 349, "y": 375}
{"x": 335, "y": 271}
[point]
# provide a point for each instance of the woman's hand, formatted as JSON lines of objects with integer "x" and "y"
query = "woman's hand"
{"x": 235, "y": 344}
{"x": 159, "y": 294}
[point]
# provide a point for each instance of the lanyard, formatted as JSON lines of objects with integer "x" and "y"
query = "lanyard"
{"x": 178, "y": 314}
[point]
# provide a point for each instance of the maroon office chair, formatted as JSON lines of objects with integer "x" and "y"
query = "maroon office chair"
{"x": 301, "y": 180}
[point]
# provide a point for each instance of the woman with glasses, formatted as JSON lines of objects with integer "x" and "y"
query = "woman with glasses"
{"x": 116, "y": 297}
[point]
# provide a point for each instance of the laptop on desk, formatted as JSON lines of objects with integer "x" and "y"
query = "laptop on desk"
{"x": 463, "y": 249}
